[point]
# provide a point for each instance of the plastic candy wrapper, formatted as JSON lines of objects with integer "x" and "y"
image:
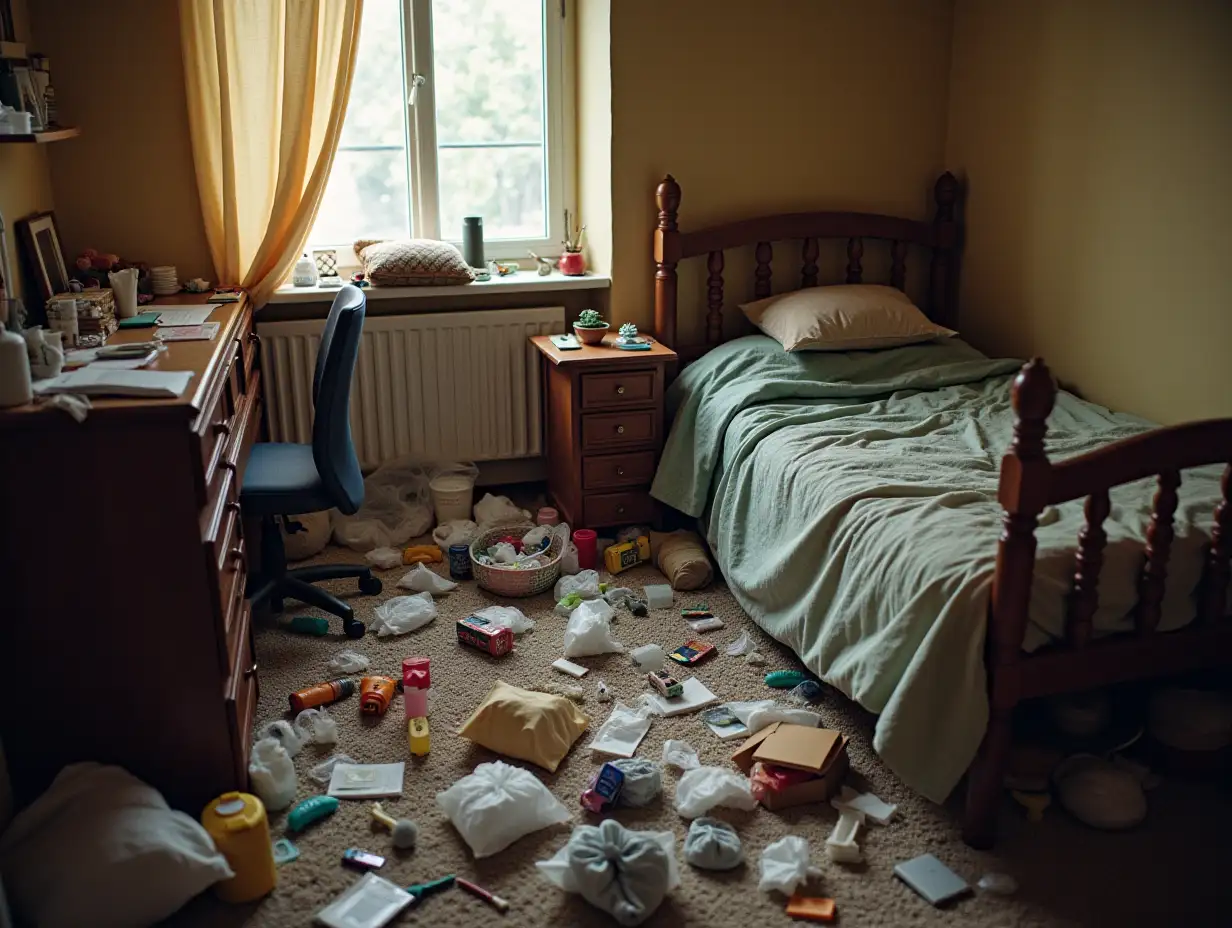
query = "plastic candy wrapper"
{"x": 622, "y": 872}
{"x": 272, "y": 774}
{"x": 701, "y": 789}
{"x": 643, "y": 781}
{"x": 497, "y": 804}
{"x": 284, "y": 733}
{"x": 585, "y": 583}
{"x": 806, "y": 693}
{"x": 511, "y": 617}
{"x": 712, "y": 844}
{"x": 766, "y": 778}
{"x": 422, "y": 580}
{"x": 455, "y": 532}
{"x": 385, "y": 558}
{"x": 403, "y": 614}
{"x": 680, "y": 754}
{"x": 589, "y": 630}
{"x": 317, "y": 726}
{"x": 742, "y": 645}
{"x": 493, "y": 510}
{"x": 785, "y": 865}
{"x": 622, "y": 732}
{"x": 347, "y": 661}
{"x": 324, "y": 771}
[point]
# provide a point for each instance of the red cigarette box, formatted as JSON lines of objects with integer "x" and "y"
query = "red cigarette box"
{"x": 484, "y": 635}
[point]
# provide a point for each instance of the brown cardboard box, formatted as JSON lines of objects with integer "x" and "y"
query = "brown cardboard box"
{"x": 799, "y": 747}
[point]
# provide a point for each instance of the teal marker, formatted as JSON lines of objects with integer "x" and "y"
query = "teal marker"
{"x": 419, "y": 890}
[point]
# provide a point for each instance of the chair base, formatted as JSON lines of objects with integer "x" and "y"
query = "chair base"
{"x": 276, "y": 583}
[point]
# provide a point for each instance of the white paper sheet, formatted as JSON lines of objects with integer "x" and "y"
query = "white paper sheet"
{"x": 188, "y": 315}
{"x": 95, "y": 381}
{"x": 366, "y": 781}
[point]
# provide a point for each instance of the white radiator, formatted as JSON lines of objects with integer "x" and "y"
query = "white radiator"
{"x": 441, "y": 386}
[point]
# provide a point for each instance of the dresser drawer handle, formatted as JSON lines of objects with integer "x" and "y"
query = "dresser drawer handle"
{"x": 620, "y": 510}
{"x": 251, "y": 671}
{"x": 620, "y": 471}
{"x": 237, "y": 554}
{"x": 620, "y": 391}
{"x": 620, "y": 430}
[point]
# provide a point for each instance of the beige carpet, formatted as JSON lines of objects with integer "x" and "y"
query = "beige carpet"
{"x": 1171, "y": 871}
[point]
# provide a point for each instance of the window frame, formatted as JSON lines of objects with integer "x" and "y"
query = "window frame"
{"x": 560, "y": 150}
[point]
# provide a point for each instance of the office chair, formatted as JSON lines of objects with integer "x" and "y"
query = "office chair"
{"x": 284, "y": 478}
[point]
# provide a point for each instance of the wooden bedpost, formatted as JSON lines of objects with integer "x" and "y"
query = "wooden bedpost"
{"x": 944, "y": 271}
{"x": 1023, "y": 494}
{"x": 666, "y": 255}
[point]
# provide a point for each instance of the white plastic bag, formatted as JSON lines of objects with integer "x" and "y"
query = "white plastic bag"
{"x": 511, "y": 617}
{"x": 701, "y": 789}
{"x": 422, "y": 580}
{"x": 272, "y": 774}
{"x": 397, "y": 507}
{"x": 347, "y": 661}
{"x": 284, "y": 733}
{"x": 589, "y": 630}
{"x": 503, "y": 553}
{"x": 622, "y": 732}
{"x": 569, "y": 559}
{"x": 497, "y": 804}
{"x": 742, "y": 645}
{"x": 384, "y": 558}
{"x": 317, "y": 726}
{"x": 495, "y": 510}
{"x": 534, "y": 539}
{"x": 680, "y": 754}
{"x": 785, "y": 865}
{"x": 403, "y": 614}
{"x": 455, "y": 532}
{"x": 649, "y": 657}
{"x": 760, "y": 718}
{"x": 585, "y": 584}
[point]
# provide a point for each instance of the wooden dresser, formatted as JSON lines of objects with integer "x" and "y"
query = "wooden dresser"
{"x": 604, "y": 430}
{"x": 126, "y": 635}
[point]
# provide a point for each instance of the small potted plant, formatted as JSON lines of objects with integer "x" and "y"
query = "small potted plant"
{"x": 590, "y": 327}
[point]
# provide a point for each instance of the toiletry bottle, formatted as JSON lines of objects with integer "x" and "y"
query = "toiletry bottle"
{"x": 14, "y": 370}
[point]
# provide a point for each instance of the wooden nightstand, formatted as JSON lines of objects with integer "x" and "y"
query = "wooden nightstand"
{"x": 605, "y": 430}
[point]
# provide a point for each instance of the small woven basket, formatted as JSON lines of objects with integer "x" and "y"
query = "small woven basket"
{"x": 510, "y": 581}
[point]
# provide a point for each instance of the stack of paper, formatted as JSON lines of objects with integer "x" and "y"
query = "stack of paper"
{"x": 93, "y": 380}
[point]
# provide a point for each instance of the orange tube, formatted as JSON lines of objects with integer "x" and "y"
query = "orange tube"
{"x": 321, "y": 694}
{"x": 375, "y": 694}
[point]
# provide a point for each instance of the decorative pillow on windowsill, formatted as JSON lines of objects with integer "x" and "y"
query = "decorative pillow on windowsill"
{"x": 416, "y": 262}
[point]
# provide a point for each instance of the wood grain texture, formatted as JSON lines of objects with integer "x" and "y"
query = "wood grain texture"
{"x": 1159, "y": 535}
{"x": 1087, "y": 564}
{"x": 714, "y": 298}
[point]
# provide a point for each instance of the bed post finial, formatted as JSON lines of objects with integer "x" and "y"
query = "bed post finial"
{"x": 1032, "y": 396}
{"x": 666, "y": 255}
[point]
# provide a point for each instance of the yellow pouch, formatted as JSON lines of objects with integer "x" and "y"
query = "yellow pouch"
{"x": 529, "y": 726}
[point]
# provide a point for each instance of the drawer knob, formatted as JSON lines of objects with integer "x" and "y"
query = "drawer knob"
{"x": 620, "y": 430}
{"x": 620, "y": 510}
{"x": 620, "y": 390}
{"x": 620, "y": 471}
{"x": 251, "y": 671}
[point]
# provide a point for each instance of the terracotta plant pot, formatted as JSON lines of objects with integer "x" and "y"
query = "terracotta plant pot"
{"x": 572, "y": 264}
{"x": 592, "y": 335}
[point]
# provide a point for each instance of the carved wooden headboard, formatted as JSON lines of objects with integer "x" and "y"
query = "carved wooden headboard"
{"x": 941, "y": 237}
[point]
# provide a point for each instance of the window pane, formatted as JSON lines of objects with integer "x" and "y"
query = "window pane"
{"x": 503, "y": 185}
{"x": 366, "y": 197}
{"x": 376, "y": 114}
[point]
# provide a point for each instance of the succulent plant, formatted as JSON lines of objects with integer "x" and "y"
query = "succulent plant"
{"x": 590, "y": 319}
{"x": 628, "y": 330}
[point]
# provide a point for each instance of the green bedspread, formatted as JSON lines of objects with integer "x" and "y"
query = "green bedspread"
{"x": 850, "y": 499}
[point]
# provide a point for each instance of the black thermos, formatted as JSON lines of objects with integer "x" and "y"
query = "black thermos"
{"x": 472, "y": 240}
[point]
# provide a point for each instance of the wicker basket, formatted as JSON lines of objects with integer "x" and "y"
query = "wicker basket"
{"x": 510, "y": 581}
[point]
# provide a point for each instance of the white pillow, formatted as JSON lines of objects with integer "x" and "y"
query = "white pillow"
{"x": 101, "y": 848}
{"x": 847, "y": 317}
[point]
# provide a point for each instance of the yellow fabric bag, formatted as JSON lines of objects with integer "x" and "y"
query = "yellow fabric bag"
{"x": 537, "y": 727}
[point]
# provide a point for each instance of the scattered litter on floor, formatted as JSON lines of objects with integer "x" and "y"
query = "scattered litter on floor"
{"x": 681, "y": 555}
{"x": 454, "y": 532}
{"x": 754, "y": 659}
{"x": 321, "y": 694}
{"x": 422, "y": 554}
{"x": 619, "y": 871}
{"x": 271, "y": 774}
{"x": 760, "y": 718}
{"x": 359, "y": 859}
{"x": 589, "y": 630}
{"x": 510, "y": 617}
{"x": 694, "y": 696}
{"x": 403, "y": 614}
{"x": 572, "y": 669}
{"x": 396, "y": 508}
{"x": 712, "y": 844}
{"x": 404, "y": 832}
{"x": 310, "y": 810}
{"x": 284, "y": 733}
{"x": 526, "y": 725}
{"x": 371, "y": 902}
{"x": 604, "y": 789}
{"x": 497, "y": 804}
{"x": 785, "y": 679}
{"x": 492, "y": 510}
{"x": 625, "y": 554}
{"x": 805, "y": 693}
{"x": 366, "y": 781}
{"x": 556, "y": 688}
{"x": 841, "y": 845}
{"x": 692, "y": 652}
{"x": 784, "y": 865}
{"x": 314, "y": 625}
{"x": 643, "y": 781}
{"x": 794, "y": 764}
{"x": 999, "y": 884}
{"x": 323, "y": 771}
{"x": 285, "y": 852}
{"x": 422, "y": 580}
{"x": 875, "y": 808}
{"x": 680, "y": 754}
{"x": 622, "y": 732}
{"x": 811, "y": 908}
{"x": 347, "y": 661}
{"x": 317, "y": 726}
{"x": 385, "y": 558}
{"x": 375, "y": 694}
{"x": 501, "y": 905}
{"x": 648, "y": 658}
{"x": 932, "y": 879}
{"x": 585, "y": 583}
{"x": 703, "y": 788}
{"x": 483, "y": 635}
{"x": 708, "y": 624}
{"x": 602, "y": 693}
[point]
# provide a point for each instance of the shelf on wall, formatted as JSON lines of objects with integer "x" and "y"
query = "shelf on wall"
{"x": 38, "y": 138}
{"x": 12, "y": 51}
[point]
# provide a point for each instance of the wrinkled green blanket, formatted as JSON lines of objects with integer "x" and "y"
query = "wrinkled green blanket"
{"x": 850, "y": 499}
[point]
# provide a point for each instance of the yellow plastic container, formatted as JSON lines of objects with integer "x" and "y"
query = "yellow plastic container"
{"x": 240, "y": 829}
{"x": 418, "y": 735}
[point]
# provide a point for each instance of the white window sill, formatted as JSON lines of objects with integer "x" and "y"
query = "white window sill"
{"x": 521, "y": 282}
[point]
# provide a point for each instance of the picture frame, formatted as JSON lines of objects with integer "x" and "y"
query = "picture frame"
{"x": 40, "y": 244}
{"x": 7, "y": 31}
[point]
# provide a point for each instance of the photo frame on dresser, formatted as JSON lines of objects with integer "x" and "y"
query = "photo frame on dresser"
{"x": 40, "y": 246}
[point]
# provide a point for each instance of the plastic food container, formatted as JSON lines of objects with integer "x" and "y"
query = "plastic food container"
{"x": 452, "y": 496}
{"x": 240, "y": 829}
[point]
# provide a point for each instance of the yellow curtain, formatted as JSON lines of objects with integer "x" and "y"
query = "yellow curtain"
{"x": 268, "y": 83}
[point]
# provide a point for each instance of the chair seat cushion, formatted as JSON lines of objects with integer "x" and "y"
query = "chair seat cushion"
{"x": 282, "y": 479}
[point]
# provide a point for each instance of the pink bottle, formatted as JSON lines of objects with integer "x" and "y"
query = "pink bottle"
{"x": 416, "y": 678}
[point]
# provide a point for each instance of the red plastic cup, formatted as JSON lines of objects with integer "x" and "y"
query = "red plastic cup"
{"x": 586, "y": 539}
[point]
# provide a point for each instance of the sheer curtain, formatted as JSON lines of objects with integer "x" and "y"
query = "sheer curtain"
{"x": 268, "y": 83}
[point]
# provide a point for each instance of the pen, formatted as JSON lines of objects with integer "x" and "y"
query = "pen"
{"x": 491, "y": 899}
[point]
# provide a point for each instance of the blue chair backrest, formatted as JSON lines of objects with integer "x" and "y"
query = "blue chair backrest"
{"x": 332, "y": 448}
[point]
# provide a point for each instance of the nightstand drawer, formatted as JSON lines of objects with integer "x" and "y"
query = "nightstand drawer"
{"x": 627, "y": 387}
{"x": 617, "y": 508}
{"x": 610, "y": 430}
{"x": 631, "y": 469}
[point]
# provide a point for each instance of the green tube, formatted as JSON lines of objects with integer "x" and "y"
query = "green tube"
{"x": 309, "y": 625}
{"x": 307, "y": 811}
{"x": 786, "y": 679}
{"x": 419, "y": 890}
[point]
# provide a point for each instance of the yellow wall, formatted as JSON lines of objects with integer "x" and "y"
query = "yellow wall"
{"x": 768, "y": 106}
{"x": 127, "y": 185}
{"x": 1096, "y": 137}
{"x": 25, "y": 186}
{"x": 594, "y": 128}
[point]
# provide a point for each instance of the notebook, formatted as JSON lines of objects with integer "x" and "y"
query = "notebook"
{"x": 94, "y": 381}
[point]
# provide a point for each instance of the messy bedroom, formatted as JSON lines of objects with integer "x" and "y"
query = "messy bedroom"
{"x": 615, "y": 462}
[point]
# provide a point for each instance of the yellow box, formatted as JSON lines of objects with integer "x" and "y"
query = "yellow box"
{"x": 419, "y": 736}
{"x": 629, "y": 554}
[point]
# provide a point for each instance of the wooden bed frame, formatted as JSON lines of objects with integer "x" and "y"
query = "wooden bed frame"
{"x": 1029, "y": 482}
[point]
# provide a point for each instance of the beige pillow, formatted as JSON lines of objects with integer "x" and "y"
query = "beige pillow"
{"x": 416, "y": 262}
{"x": 847, "y": 317}
{"x": 530, "y": 726}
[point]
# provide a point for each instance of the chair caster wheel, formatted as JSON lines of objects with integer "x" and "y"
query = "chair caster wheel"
{"x": 370, "y": 585}
{"x": 354, "y": 628}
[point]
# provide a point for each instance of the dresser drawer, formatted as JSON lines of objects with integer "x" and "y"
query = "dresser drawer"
{"x": 617, "y": 508}
{"x": 628, "y": 388}
{"x": 601, "y": 431}
{"x": 630, "y": 469}
{"x": 240, "y": 698}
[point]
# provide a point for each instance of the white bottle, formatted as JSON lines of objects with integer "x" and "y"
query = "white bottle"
{"x": 305, "y": 274}
{"x": 14, "y": 370}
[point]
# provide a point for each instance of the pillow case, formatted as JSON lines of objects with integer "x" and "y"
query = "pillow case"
{"x": 846, "y": 317}
{"x": 416, "y": 262}
{"x": 537, "y": 727}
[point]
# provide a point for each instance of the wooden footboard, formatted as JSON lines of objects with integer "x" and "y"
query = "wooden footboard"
{"x": 1029, "y": 482}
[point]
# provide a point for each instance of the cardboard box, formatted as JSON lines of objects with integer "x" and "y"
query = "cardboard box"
{"x": 819, "y": 751}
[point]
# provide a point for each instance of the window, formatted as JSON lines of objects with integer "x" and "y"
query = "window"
{"x": 458, "y": 108}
